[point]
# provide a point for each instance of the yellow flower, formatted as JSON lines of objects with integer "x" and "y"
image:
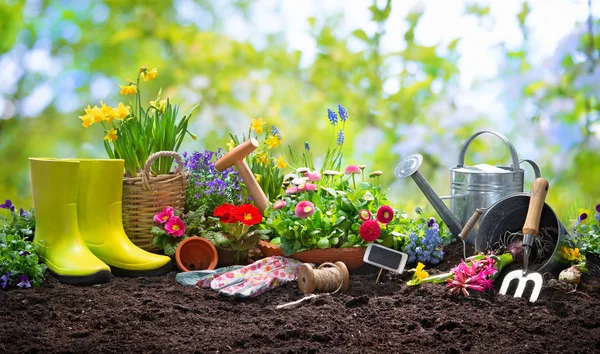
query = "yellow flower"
{"x": 160, "y": 105}
{"x": 273, "y": 141}
{"x": 571, "y": 254}
{"x": 257, "y": 176}
{"x": 96, "y": 113}
{"x": 281, "y": 163}
{"x": 108, "y": 111}
{"x": 231, "y": 145}
{"x": 149, "y": 74}
{"x": 87, "y": 120}
{"x": 121, "y": 111}
{"x": 420, "y": 273}
{"x": 194, "y": 136}
{"x": 261, "y": 158}
{"x": 111, "y": 135}
{"x": 128, "y": 89}
{"x": 581, "y": 211}
{"x": 257, "y": 125}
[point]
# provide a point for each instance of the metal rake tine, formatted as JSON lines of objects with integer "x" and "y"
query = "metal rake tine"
{"x": 536, "y": 278}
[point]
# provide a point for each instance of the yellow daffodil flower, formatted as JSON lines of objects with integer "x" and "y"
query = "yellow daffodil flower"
{"x": 128, "y": 89}
{"x": 149, "y": 74}
{"x": 97, "y": 114}
{"x": 160, "y": 105}
{"x": 257, "y": 125}
{"x": 109, "y": 113}
{"x": 121, "y": 111}
{"x": 87, "y": 120}
{"x": 420, "y": 273}
{"x": 111, "y": 135}
{"x": 231, "y": 145}
{"x": 262, "y": 158}
{"x": 257, "y": 176}
{"x": 273, "y": 141}
{"x": 281, "y": 163}
{"x": 571, "y": 254}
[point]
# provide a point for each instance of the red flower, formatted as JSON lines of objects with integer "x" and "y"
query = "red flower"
{"x": 248, "y": 214}
{"x": 385, "y": 214}
{"x": 369, "y": 230}
{"x": 226, "y": 212}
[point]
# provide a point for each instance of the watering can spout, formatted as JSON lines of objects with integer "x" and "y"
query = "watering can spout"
{"x": 410, "y": 167}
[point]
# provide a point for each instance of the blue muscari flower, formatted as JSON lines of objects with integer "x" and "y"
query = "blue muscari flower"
{"x": 306, "y": 146}
{"x": 343, "y": 112}
{"x": 332, "y": 116}
{"x": 340, "y": 139}
{"x": 276, "y": 132}
{"x": 5, "y": 281}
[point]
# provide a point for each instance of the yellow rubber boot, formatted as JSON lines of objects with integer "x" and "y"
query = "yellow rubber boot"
{"x": 60, "y": 246}
{"x": 101, "y": 224}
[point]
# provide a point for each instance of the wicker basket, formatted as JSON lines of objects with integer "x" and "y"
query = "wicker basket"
{"x": 146, "y": 195}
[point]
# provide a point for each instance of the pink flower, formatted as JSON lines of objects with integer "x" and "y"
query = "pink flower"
{"x": 279, "y": 204}
{"x": 304, "y": 209}
{"x": 475, "y": 277}
{"x": 365, "y": 215}
{"x": 311, "y": 187}
{"x": 352, "y": 169}
{"x": 369, "y": 230}
{"x": 313, "y": 176}
{"x": 291, "y": 190}
{"x": 302, "y": 187}
{"x": 385, "y": 214}
{"x": 164, "y": 216}
{"x": 175, "y": 227}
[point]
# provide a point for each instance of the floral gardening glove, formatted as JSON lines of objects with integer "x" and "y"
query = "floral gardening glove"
{"x": 256, "y": 278}
{"x": 201, "y": 278}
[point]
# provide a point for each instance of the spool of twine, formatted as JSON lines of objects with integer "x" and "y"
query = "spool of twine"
{"x": 328, "y": 278}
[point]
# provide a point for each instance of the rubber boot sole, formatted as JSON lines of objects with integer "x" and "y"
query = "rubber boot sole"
{"x": 100, "y": 277}
{"x": 119, "y": 272}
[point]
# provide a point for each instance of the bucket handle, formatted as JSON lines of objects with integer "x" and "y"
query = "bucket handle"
{"x": 511, "y": 148}
{"x": 533, "y": 165}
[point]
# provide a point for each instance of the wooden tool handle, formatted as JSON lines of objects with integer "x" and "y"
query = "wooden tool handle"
{"x": 258, "y": 196}
{"x": 238, "y": 153}
{"x": 469, "y": 225}
{"x": 539, "y": 190}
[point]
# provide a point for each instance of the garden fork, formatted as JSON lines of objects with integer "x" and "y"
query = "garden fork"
{"x": 530, "y": 232}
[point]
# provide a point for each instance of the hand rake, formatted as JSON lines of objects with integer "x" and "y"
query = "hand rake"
{"x": 530, "y": 232}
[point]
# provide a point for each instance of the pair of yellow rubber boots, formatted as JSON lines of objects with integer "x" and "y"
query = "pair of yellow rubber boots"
{"x": 79, "y": 228}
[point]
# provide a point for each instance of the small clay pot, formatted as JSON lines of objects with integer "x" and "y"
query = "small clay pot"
{"x": 196, "y": 253}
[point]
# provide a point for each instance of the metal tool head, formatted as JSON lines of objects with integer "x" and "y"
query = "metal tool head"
{"x": 523, "y": 279}
{"x": 409, "y": 165}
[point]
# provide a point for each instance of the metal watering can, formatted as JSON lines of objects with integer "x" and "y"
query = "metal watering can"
{"x": 471, "y": 187}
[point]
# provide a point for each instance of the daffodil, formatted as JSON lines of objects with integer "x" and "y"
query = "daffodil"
{"x": 87, "y": 120}
{"x": 97, "y": 114}
{"x": 420, "y": 273}
{"x": 108, "y": 111}
{"x": 111, "y": 135}
{"x": 160, "y": 105}
{"x": 128, "y": 89}
{"x": 121, "y": 111}
{"x": 231, "y": 145}
{"x": 149, "y": 74}
{"x": 273, "y": 141}
{"x": 261, "y": 158}
{"x": 571, "y": 254}
{"x": 281, "y": 162}
{"x": 257, "y": 125}
{"x": 257, "y": 176}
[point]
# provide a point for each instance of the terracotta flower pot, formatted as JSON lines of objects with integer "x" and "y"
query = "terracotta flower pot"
{"x": 352, "y": 257}
{"x": 196, "y": 253}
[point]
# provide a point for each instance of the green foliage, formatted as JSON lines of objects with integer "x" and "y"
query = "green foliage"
{"x": 18, "y": 257}
{"x": 587, "y": 231}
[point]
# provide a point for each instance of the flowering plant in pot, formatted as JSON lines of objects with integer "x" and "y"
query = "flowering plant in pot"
{"x": 235, "y": 236}
{"x": 19, "y": 263}
{"x": 169, "y": 230}
{"x": 586, "y": 238}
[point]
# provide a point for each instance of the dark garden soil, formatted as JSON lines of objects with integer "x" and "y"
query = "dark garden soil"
{"x": 147, "y": 315}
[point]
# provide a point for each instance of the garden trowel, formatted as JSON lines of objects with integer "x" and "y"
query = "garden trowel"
{"x": 530, "y": 232}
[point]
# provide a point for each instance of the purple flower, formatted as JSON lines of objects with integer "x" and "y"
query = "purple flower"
{"x": 5, "y": 281}
{"x": 8, "y": 204}
{"x": 24, "y": 281}
{"x": 430, "y": 222}
{"x": 24, "y": 253}
{"x": 332, "y": 116}
{"x": 343, "y": 112}
{"x": 583, "y": 216}
{"x": 598, "y": 208}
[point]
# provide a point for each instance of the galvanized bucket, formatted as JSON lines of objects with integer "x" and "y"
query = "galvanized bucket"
{"x": 480, "y": 186}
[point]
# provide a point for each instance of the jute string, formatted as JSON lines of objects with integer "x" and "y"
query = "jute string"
{"x": 328, "y": 277}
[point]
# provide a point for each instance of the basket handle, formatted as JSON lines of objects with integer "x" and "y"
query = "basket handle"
{"x": 511, "y": 148}
{"x": 173, "y": 154}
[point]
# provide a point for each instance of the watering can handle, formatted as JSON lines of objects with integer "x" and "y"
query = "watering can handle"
{"x": 533, "y": 165}
{"x": 511, "y": 148}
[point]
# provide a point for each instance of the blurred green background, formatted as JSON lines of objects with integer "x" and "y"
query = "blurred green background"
{"x": 414, "y": 76}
